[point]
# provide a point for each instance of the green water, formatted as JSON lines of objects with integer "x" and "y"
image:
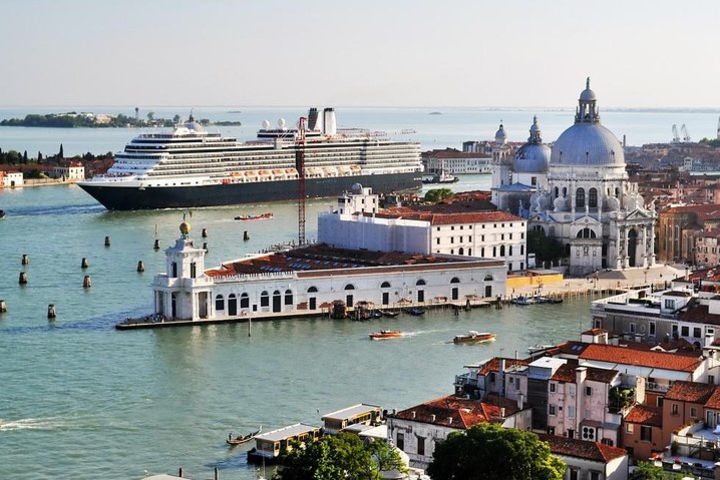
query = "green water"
{"x": 80, "y": 400}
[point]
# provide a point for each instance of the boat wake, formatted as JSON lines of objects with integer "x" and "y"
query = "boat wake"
{"x": 49, "y": 423}
{"x": 63, "y": 210}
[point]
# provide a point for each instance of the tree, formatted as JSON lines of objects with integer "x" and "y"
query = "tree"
{"x": 648, "y": 471}
{"x": 343, "y": 456}
{"x": 491, "y": 452}
{"x": 25, "y": 157}
{"x": 546, "y": 249}
{"x": 150, "y": 116}
{"x": 438, "y": 195}
{"x": 176, "y": 119}
{"x": 40, "y": 157}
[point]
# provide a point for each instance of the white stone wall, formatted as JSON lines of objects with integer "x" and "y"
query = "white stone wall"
{"x": 614, "y": 470}
{"x": 373, "y": 233}
{"x": 12, "y": 179}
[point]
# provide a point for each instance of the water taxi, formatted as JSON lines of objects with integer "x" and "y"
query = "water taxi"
{"x": 475, "y": 337}
{"x": 385, "y": 334}
{"x": 262, "y": 216}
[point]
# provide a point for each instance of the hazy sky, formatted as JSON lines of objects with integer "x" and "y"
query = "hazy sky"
{"x": 388, "y": 52}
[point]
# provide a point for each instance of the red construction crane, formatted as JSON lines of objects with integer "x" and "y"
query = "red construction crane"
{"x": 300, "y": 167}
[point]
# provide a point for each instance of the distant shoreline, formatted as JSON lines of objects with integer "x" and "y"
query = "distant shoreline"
{"x": 91, "y": 120}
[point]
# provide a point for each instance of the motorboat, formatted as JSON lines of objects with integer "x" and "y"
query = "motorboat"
{"x": 388, "y": 313}
{"x": 416, "y": 312}
{"x": 539, "y": 348}
{"x": 474, "y": 337}
{"x": 385, "y": 334}
{"x": 522, "y": 300}
{"x": 262, "y": 216}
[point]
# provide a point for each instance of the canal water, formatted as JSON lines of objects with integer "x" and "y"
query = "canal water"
{"x": 80, "y": 400}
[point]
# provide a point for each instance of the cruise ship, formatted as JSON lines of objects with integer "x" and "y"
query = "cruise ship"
{"x": 191, "y": 167}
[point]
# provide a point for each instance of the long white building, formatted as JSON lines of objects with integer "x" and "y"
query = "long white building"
{"x": 309, "y": 279}
{"x": 452, "y": 229}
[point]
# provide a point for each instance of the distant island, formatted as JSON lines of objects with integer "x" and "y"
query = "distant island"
{"x": 435, "y": 113}
{"x": 101, "y": 120}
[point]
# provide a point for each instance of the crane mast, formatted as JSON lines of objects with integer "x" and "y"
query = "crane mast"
{"x": 300, "y": 167}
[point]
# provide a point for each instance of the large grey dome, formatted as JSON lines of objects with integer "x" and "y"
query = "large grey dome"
{"x": 587, "y": 144}
{"x": 532, "y": 158}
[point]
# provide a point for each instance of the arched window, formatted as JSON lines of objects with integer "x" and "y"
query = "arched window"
{"x": 502, "y": 250}
{"x": 586, "y": 233}
{"x": 539, "y": 228}
{"x": 232, "y": 305}
{"x": 312, "y": 290}
{"x": 617, "y": 192}
{"x": 580, "y": 198}
{"x": 420, "y": 282}
{"x": 455, "y": 280}
{"x": 592, "y": 198}
{"x": 557, "y": 192}
{"x": 564, "y": 192}
{"x": 349, "y": 286}
{"x": 461, "y": 251}
{"x": 385, "y": 285}
{"x": 264, "y": 299}
{"x": 288, "y": 297}
{"x": 219, "y": 302}
{"x": 488, "y": 278}
{"x": 244, "y": 301}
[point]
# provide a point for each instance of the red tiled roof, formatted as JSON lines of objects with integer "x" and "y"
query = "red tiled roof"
{"x": 714, "y": 400}
{"x": 572, "y": 447}
{"x": 567, "y": 373}
{"x": 484, "y": 216}
{"x": 692, "y": 392}
{"x": 643, "y": 358}
{"x": 460, "y": 413}
{"x": 646, "y": 415}
{"x": 493, "y": 365}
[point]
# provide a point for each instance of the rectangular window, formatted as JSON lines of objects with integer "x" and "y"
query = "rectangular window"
{"x": 492, "y": 377}
{"x": 646, "y": 433}
{"x": 482, "y": 238}
{"x": 669, "y": 304}
{"x": 522, "y": 249}
{"x": 629, "y": 428}
{"x": 400, "y": 441}
{"x": 696, "y": 332}
{"x": 421, "y": 445}
{"x": 551, "y": 409}
{"x": 685, "y": 331}
{"x": 510, "y": 236}
{"x": 552, "y": 387}
{"x": 510, "y": 251}
{"x": 574, "y": 474}
{"x": 632, "y": 328}
{"x": 571, "y": 411}
{"x": 502, "y": 236}
{"x": 588, "y": 391}
{"x": 193, "y": 270}
{"x": 652, "y": 328}
{"x": 452, "y": 239}
{"x": 674, "y": 409}
{"x": 594, "y": 476}
{"x": 693, "y": 412}
{"x": 482, "y": 252}
{"x": 711, "y": 379}
{"x": 437, "y": 241}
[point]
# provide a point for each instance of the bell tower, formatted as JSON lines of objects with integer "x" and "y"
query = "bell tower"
{"x": 501, "y": 163}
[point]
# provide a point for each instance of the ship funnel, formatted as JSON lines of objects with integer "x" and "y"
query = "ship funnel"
{"x": 330, "y": 123}
{"x": 315, "y": 120}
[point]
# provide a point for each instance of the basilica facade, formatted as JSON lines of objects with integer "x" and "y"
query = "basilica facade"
{"x": 578, "y": 192}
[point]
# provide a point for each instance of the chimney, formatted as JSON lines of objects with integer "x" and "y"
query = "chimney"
{"x": 432, "y": 418}
{"x": 330, "y": 125}
{"x": 313, "y": 119}
{"x": 449, "y": 420}
{"x": 502, "y": 412}
{"x": 521, "y": 401}
{"x": 413, "y": 414}
{"x": 580, "y": 375}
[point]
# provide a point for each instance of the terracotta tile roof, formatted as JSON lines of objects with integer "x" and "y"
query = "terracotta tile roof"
{"x": 572, "y": 447}
{"x": 460, "y": 413}
{"x": 642, "y": 358}
{"x": 692, "y": 392}
{"x": 493, "y": 365}
{"x": 448, "y": 218}
{"x": 714, "y": 400}
{"x": 646, "y": 415}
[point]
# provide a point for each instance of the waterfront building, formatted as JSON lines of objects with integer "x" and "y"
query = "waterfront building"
{"x": 360, "y": 414}
{"x": 11, "y": 179}
{"x": 417, "y": 430}
{"x": 678, "y": 228}
{"x": 307, "y": 280}
{"x": 455, "y": 162}
{"x": 589, "y": 460}
{"x": 460, "y": 228}
{"x": 270, "y": 445}
{"x": 586, "y": 200}
{"x": 69, "y": 171}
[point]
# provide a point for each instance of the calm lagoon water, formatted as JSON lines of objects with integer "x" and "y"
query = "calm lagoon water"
{"x": 80, "y": 400}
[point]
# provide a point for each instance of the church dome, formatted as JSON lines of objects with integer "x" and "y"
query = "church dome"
{"x": 500, "y": 135}
{"x": 587, "y": 142}
{"x": 534, "y": 156}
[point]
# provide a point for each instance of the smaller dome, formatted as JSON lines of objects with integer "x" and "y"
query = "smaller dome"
{"x": 587, "y": 95}
{"x": 532, "y": 158}
{"x": 500, "y": 135}
{"x": 185, "y": 228}
{"x": 356, "y": 188}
